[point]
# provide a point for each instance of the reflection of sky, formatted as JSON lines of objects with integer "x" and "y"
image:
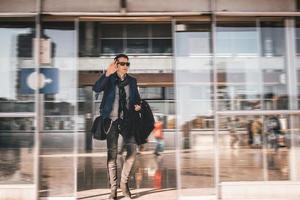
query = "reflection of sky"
{"x": 8, "y": 61}
{"x": 193, "y": 75}
{"x": 64, "y": 42}
{"x": 236, "y": 41}
{"x": 192, "y": 43}
{"x": 65, "y": 60}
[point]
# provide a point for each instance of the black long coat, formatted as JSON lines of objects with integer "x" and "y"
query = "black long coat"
{"x": 142, "y": 123}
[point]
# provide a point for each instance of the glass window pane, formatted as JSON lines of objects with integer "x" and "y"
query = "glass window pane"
{"x": 16, "y": 55}
{"x": 137, "y": 30}
{"x": 272, "y": 38}
{"x": 19, "y": 106}
{"x": 170, "y": 92}
{"x": 193, "y": 43}
{"x": 16, "y": 150}
{"x": 151, "y": 92}
{"x": 161, "y": 46}
{"x": 246, "y": 81}
{"x": 111, "y": 46}
{"x": 236, "y": 39}
{"x": 194, "y": 106}
{"x": 57, "y": 177}
{"x": 59, "y": 108}
{"x": 161, "y": 30}
{"x": 137, "y": 46}
{"x": 297, "y": 59}
{"x": 17, "y": 97}
{"x": 111, "y": 30}
{"x": 264, "y": 147}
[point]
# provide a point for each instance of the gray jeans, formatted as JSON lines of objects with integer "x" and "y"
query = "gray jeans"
{"x": 112, "y": 152}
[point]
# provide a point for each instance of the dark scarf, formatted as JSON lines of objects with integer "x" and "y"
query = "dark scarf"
{"x": 122, "y": 97}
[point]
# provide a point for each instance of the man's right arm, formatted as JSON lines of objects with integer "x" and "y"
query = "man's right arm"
{"x": 101, "y": 83}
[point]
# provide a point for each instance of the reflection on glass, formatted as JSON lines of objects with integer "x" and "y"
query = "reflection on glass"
{"x": 16, "y": 144}
{"x": 137, "y": 30}
{"x": 110, "y": 46}
{"x": 8, "y": 124}
{"x": 256, "y": 146}
{"x": 149, "y": 172}
{"x": 57, "y": 142}
{"x": 57, "y": 137}
{"x": 137, "y": 46}
{"x": 59, "y": 123}
{"x": 194, "y": 95}
{"x": 162, "y": 46}
{"x": 108, "y": 30}
{"x": 151, "y": 92}
{"x": 98, "y": 39}
{"x": 236, "y": 39}
{"x": 161, "y": 30}
{"x": 15, "y": 54}
{"x": 16, "y": 133}
{"x": 57, "y": 178}
{"x": 251, "y": 69}
{"x": 59, "y": 108}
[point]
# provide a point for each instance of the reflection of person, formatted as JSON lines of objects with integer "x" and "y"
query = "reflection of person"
{"x": 273, "y": 127}
{"x": 249, "y": 131}
{"x": 157, "y": 179}
{"x": 158, "y": 175}
{"x": 256, "y": 129}
{"x": 141, "y": 148}
{"x": 139, "y": 177}
{"x": 186, "y": 135}
{"x": 120, "y": 100}
{"x": 159, "y": 137}
{"x": 232, "y": 125}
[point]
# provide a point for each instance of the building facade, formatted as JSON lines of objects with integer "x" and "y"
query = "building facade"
{"x": 219, "y": 73}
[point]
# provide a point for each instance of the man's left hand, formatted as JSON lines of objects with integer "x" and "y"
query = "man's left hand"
{"x": 137, "y": 107}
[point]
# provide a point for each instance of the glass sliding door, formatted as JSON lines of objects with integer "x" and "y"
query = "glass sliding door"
{"x": 17, "y": 109}
{"x": 256, "y": 125}
{"x": 246, "y": 171}
{"x": 59, "y": 112}
{"x": 195, "y": 120}
{"x": 239, "y": 85}
{"x": 248, "y": 141}
{"x": 149, "y": 47}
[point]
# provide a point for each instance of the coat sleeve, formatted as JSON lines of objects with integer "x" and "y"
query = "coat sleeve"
{"x": 101, "y": 83}
{"x": 137, "y": 92}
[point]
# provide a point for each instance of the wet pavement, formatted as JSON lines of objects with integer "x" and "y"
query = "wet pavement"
{"x": 149, "y": 171}
{"x": 152, "y": 177}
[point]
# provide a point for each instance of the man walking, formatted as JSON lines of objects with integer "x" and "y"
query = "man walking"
{"x": 120, "y": 100}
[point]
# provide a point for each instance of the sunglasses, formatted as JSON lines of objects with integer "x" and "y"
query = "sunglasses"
{"x": 124, "y": 63}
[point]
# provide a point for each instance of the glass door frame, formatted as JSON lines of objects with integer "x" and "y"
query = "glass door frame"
{"x": 289, "y": 29}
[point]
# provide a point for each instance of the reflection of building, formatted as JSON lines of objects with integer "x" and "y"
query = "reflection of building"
{"x": 224, "y": 57}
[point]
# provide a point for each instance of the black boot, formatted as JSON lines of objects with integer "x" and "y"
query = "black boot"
{"x": 125, "y": 189}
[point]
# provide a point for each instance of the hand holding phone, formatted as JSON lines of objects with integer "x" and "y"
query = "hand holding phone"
{"x": 112, "y": 68}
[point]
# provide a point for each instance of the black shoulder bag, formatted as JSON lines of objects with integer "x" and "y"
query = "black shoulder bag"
{"x": 98, "y": 129}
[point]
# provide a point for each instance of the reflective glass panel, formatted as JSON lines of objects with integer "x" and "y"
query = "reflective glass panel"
{"x": 251, "y": 67}
{"x": 194, "y": 107}
{"x": 17, "y": 103}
